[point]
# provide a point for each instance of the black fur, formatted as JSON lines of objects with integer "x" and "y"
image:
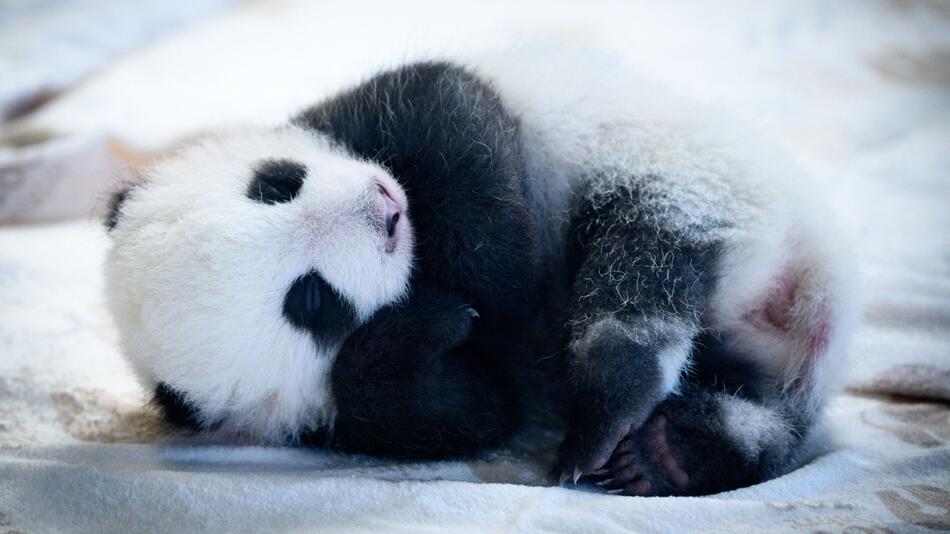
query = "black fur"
{"x": 636, "y": 290}
{"x": 115, "y": 207}
{"x": 446, "y": 137}
{"x": 276, "y": 181}
{"x": 695, "y": 428}
{"x": 312, "y": 305}
{"x": 419, "y": 379}
{"x": 175, "y": 408}
{"x": 696, "y": 437}
{"x": 716, "y": 369}
{"x": 407, "y": 383}
{"x": 447, "y": 371}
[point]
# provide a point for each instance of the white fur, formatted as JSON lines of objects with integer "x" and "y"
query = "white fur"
{"x": 751, "y": 427}
{"x": 198, "y": 273}
{"x": 705, "y": 176}
{"x": 673, "y": 359}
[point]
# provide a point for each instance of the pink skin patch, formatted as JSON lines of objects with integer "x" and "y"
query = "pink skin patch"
{"x": 646, "y": 462}
{"x": 626, "y": 473}
{"x": 664, "y": 454}
{"x": 778, "y": 307}
{"x": 776, "y": 310}
{"x": 391, "y": 205}
{"x": 775, "y": 314}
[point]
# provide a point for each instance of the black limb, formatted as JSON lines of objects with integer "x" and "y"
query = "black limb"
{"x": 638, "y": 294}
{"x": 408, "y": 385}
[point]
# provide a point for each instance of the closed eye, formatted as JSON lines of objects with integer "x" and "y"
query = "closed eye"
{"x": 276, "y": 181}
{"x": 312, "y": 305}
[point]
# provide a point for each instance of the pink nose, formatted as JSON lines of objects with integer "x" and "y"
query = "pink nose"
{"x": 391, "y": 211}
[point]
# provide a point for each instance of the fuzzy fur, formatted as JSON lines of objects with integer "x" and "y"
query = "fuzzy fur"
{"x": 198, "y": 274}
{"x": 687, "y": 220}
{"x": 581, "y": 210}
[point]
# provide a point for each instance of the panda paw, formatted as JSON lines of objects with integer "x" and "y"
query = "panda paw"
{"x": 588, "y": 444}
{"x": 673, "y": 455}
{"x": 645, "y": 463}
{"x": 444, "y": 317}
{"x": 614, "y": 394}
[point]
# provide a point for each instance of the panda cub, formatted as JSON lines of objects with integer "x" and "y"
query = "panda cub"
{"x": 426, "y": 262}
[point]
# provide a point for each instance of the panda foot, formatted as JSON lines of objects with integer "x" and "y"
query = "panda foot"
{"x": 644, "y": 463}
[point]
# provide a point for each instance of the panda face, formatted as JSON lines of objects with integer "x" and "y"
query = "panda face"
{"x": 240, "y": 266}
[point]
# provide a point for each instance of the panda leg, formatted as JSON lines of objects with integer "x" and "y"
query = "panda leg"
{"x": 637, "y": 298}
{"x": 701, "y": 441}
{"x": 409, "y": 384}
{"x": 759, "y": 375}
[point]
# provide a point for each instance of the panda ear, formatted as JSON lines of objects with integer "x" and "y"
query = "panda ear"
{"x": 115, "y": 206}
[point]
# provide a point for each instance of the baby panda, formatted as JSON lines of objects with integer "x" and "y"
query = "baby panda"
{"x": 276, "y": 286}
{"x": 420, "y": 264}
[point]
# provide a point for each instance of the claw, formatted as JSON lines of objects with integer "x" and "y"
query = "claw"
{"x": 577, "y": 474}
{"x": 563, "y": 478}
{"x": 617, "y": 491}
{"x": 605, "y": 482}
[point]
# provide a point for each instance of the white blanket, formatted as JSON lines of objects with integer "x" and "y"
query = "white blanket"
{"x": 859, "y": 90}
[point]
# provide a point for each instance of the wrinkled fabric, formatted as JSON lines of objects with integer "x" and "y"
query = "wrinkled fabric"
{"x": 859, "y": 91}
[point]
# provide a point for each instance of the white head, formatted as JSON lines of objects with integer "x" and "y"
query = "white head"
{"x": 241, "y": 264}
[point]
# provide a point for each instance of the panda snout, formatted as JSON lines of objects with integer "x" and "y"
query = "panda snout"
{"x": 391, "y": 209}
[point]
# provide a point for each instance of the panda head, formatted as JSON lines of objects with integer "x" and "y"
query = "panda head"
{"x": 238, "y": 268}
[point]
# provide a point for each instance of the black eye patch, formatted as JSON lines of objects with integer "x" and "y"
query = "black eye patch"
{"x": 276, "y": 181}
{"x": 116, "y": 201}
{"x": 175, "y": 408}
{"x": 312, "y": 305}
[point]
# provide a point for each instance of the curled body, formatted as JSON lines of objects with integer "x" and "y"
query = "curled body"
{"x": 707, "y": 295}
{"x": 399, "y": 269}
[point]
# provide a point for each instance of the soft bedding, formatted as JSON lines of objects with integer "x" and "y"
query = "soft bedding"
{"x": 859, "y": 91}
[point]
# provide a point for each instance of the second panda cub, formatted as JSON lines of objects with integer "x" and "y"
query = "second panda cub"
{"x": 418, "y": 265}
